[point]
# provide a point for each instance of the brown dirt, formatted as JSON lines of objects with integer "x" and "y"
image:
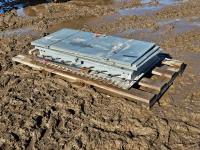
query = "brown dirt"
{"x": 125, "y": 23}
{"x": 38, "y": 111}
{"x": 186, "y": 9}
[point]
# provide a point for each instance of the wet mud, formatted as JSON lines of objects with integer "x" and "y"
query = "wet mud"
{"x": 40, "y": 111}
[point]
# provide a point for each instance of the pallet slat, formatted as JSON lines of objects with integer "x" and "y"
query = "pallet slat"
{"x": 179, "y": 65}
{"x": 29, "y": 62}
{"x": 144, "y": 96}
{"x": 163, "y": 72}
{"x": 152, "y": 84}
{"x": 172, "y": 62}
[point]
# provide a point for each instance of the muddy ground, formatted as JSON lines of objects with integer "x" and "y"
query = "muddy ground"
{"x": 38, "y": 111}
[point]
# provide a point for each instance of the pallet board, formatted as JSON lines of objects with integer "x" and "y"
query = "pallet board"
{"x": 148, "y": 90}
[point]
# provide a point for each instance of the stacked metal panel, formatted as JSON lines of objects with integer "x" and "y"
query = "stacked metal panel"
{"x": 118, "y": 58}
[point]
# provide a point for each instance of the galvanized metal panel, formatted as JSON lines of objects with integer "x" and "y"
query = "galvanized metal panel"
{"x": 127, "y": 58}
{"x": 154, "y": 51}
{"x": 102, "y": 48}
{"x": 76, "y": 44}
{"x": 54, "y": 37}
{"x": 134, "y": 51}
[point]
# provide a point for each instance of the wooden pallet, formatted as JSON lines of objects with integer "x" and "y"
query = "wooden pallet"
{"x": 148, "y": 90}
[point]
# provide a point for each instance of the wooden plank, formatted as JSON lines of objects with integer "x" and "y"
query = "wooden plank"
{"x": 132, "y": 94}
{"x": 156, "y": 80}
{"x": 164, "y": 89}
{"x": 172, "y": 62}
{"x": 179, "y": 65}
{"x": 149, "y": 90}
{"x": 28, "y": 61}
{"x": 145, "y": 97}
{"x": 159, "y": 95}
{"x": 136, "y": 94}
{"x": 152, "y": 84}
{"x": 161, "y": 71}
{"x": 173, "y": 69}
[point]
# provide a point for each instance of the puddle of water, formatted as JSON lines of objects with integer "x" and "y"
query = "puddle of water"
{"x": 106, "y": 2}
{"x": 75, "y": 24}
{"x": 165, "y": 2}
{"x": 166, "y": 28}
{"x": 19, "y": 6}
{"x": 20, "y": 10}
{"x": 178, "y": 25}
{"x": 19, "y": 32}
{"x": 169, "y": 26}
{"x": 92, "y": 21}
{"x": 86, "y": 21}
{"x": 140, "y": 34}
{"x": 32, "y": 11}
{"x": 7, "y": 5}
{"x": 195, "y": 21}
{"x": 148, "y": 8}
{"x": 140, "y": 11}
